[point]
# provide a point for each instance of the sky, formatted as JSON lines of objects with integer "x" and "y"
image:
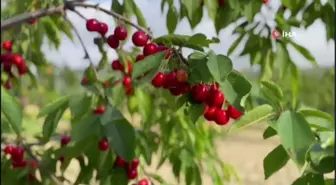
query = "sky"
{"x": 71, "y": 53}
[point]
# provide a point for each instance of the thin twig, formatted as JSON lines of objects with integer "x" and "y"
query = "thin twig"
{"x": 87, "y": 56}
{"x": 68, "y": 5}
{"x": 113, "y": 14}
{"x": 181, "y": 58}
{"x": 23, "y": 18}
{"x": 41, "y": 167}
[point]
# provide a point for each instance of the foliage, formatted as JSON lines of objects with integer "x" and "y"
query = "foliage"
{"x": 170, "y": 126}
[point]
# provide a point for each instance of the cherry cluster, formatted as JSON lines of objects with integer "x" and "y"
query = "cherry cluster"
{"x": 131, "y": 169}
{"x": 8, "y": 59}
{"x": 210, "y": 95}
{"x": 17, "y": 157}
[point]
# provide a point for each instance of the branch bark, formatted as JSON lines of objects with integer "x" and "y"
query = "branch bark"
{"x": 23, "y": 18}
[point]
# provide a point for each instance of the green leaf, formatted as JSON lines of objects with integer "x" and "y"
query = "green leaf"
{"x": 91, "y": 74}
{"x": 329, "y": 181}
{"x": 295, "y": 83}
{"x": 150, "y": 62}
{"x": 52, "y": 31}
{"x": 317, "y": 113}
{"x": 274, "y": 161}
{"x": 195, "y": 112}
{"x": 200, "y": 72}
{"x": 79, "y": 105}
{"x": 87, "y": 126}
{"x": 200, "y": 40}
{"x": 118, "y": 95}
{"x": 54, "y": 106}
{"x": 321, "y": 160}
{"x": 219, "y": 66}
{"x": 119, "y": 177}
{"x": 295, "y": 135}
{"x": 225, "y": 16}
{"x": 212, "y": 7}
{"x": 172, "y": 19}
{"x": 121, "y": 136}
{"x": 191, "y": 6}
{"x": 51, "y": 122}
{"x": 140, "y": 18}
{"x": 274, "y": 89}
{"x": 12, "y": 110}
{"x": 254, "y": 116}
{"x": 235, "y": 44}
{"x": 252, "y": 9}
{"x": 117, "y": 7}
{"x": 111, "y": 114}
{"x": 304, "y": 52}
{"x": 282, "y": 58}
{"x": 269, "y": 132}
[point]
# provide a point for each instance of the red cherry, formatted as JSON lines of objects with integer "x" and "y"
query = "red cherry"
{"x": 164, "y": 48}
{"x": 127, "y": 81}
{"x": 214, "y": 86}
{"x": 139, "y": 38}
{"x": 143, "y": 182}
{"x": 17, "y": 60}
{"x": 265, "y": 1}
{"x": 158, "y": 80}
{"x": 65, "y": 140}
{"x": 19, "y": 164}
{"x": 92, "y": 25}
{"x": 8, "y": 84}
{"x": 185, "y": 87}
{"x": 129, "y": 67}
{"x": 8, "y": 149}
{"x": 116, "y": 65}
{"x": 175, "y": 91}
{"x": 113, "y": 41}
{"x": 102, "y": 28}
{"x": 233, "y": 112}
{"x": 62, "y": 158}
{"x": 120, "y": 32}
{"x": 170, "y": 80}
{"x": 209, "y": 113}
{"x": 107, "y": 84}
{"x": 132, "y": 174}
{"x": 150, "y": 49}
{"x": 100, "y": 110}
{"x": 220, "y": 3}
{"x": 215, "y": 98}
{"x": 199, "y": 92}
{"x": 31, "y": 177}
{"x": 32, "y": 21}
{"x": 22, "y": 69}
{"x": 129, "y": 90}
{"x": 135, "y": 163}
{"x": 182, "y": 76}
{"x": 7, "y": 45}
{"x": 85, "y": 80}
{"x": 120, "y": 162}
{"x": 33, "y": 164}
{"x": 221, "y": 117}
{"x": 18, "y": 154}
{"x": 103, "y": 144}
{"x": 139, "y": 58}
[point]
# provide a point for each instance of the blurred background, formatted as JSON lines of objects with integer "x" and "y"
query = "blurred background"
{"x": 246, "y": 150}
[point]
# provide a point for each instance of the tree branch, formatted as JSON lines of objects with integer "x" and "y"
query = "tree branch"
{"x": 68, "y": 5}
{"x": 113, "y": 14}
{"x": 23, "y": 18}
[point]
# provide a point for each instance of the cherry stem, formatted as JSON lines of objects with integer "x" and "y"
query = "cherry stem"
{"x": 60, "y": 9}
